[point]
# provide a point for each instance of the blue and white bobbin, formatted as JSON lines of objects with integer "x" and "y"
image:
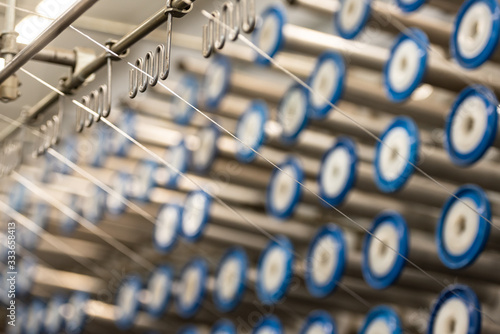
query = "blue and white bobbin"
{"x": 382, "y": 319}
{"x": 128, "y": 302}
{"x": 251, "y": 130}
{"x": 192, "y": 287}
{"x": 275, "y": 270}
{"x": 476, "y": 33}
{"x": 462, "y": 233}
{"x": 319, "y": 322}
{"x": 68, "y": 224}
{"x": 472, "y": 125}
{"x": 94, "y": 206}
{"x": 203, "y": 157}
{"x": 396, "y": 155}
{"x": 269, "y": 35}
{"x": 167, "y": 227}
{"x": 326, "y": 260}
{"x": 327, "y": 81}
{"x": 293, "y": 113}
{"x": 35, "y": 318}
{"x": 457, "y": 310}
{"x": 195, "y": 215}
{"x": 75, "y": 322}
{"x": 269, "y": 324}
{"x": 188, "y": 89}
{"x": 118, "y": 144}
{"x": 26, "y": 270}
{"x": 177, "y": 157}
{"x": 352, "y": 17}
{"x": 381, "y": 265}
{"x": 54, "y": 315}
{"x": 337, "y": 174}
{"x": 407, "y": 64}
{"x": 143, "y": 180}
{"x": 230, "y": 279}
{"x": 216, "y": 82}
{"x": 121, "y": 186}
{"x": 223, "y": 326}
{"x": 159, "y": 291}
{"x": 283, "y": 193}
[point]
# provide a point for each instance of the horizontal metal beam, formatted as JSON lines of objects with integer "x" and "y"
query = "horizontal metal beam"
{"x": 47, "y": 36}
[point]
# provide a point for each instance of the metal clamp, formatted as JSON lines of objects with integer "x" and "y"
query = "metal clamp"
{"x": 227, "y": 24}
{"x": 98, "y": 100}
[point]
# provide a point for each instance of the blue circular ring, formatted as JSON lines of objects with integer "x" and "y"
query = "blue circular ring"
{"x": 226, "y": 305}
{"x": 292, "y": 137}
{"x": 467, "y": 159}
{"x": 322, "y": 318}
{"x": 223, "y": 326}
{"x": 315, "y": 289}
{"x": 399, "y": 223}
{"x": 479, "y": 197}
{"x": 410, "y": 7}
{"x": 466, "y": 294}
{"x": 271, "y": 322}
{"x": 272, "y": 297}
{"x": 243, "y": 153}
{"x": 126, "y": 321}
{"x": 411, "y": 128}
{"x": 214, "y": 151}
{"x": 492, "y": 44}
{"x": 76, "y": 323}
{"x": 214, "y": 101}
{"x": 334, "y": 97}
{"x": 278, "y": 12}
{"x": 386, "y": 314}
{"x": 188, "y": 82}
{"x": 157, "y": 312}
{"x": 422, "y": 42}
{"x": 288, "y": 211}
{"x": 165, "y": 248}
{"x": 350, "y": 34}
{"x": 187, "y": 311}
{"x": 205, "y": 218}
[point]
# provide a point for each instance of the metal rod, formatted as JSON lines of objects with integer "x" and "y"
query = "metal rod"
{"x": 54, "y": 55}
{"x": 49, "y": 34}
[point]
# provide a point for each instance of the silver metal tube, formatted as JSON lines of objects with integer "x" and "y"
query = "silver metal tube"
{"x": 10, "y": 16}
{"x": 54, "y": 55}
{"x": 52, "y": 31}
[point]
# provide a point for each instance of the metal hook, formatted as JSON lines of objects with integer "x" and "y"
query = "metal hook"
{"x": 220, "y": 29}
{"x": 208, "y": 38}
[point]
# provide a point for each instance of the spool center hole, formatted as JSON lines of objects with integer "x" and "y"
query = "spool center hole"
{"x": 403, "y": 64}
{"x": 394, "y": 154}
{"x": 273, "y": 270}
{"x": 460, "y": 226}
{"x": 351, "y": 8}
{"x": 324, "y": 257}
{"x": 335, "y": 171}
{"x": 474, "y": 30}
{"x": 468, "y": 124}
{"x": 452, "y": 324}
{"x": 382, "y": 249}
{"x": 283, "y": 188}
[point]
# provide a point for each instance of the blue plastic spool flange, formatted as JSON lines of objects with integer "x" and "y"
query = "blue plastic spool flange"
{"x": 483, "y": 208}
{"x": 492, "y": 44}
{"x": 321, "y": 319}
{"x": 399, "y": 224}
{"x": 188, "y": 311}
{"x": 121, "y": 183}
{"x": 272, "y": 297}
{"x": 422, "y": 42}
{"x": 28, "y": 238}
{"x": 181, "y": 165}
{"x": 166, "y": 273}
{"x": 409, "y": 7}
{"x": 322, "y": 290}
{"x": 223, "y": 326}
{"x": 188, "y": 329}
{"x": 203, "y": 168}
{"x": 469, "y": 297}
{"x": 95, "y": 211}
{"x": 35, "y": 318}
{"x": 274, "y": 12}
{"x": 18, "y": 197}
{"x": 165, "y": 246}
{"x": 334, "y": 96}
{"x": 54, "y": 320}
{"x": 228, "y": 304}
{"x": 125, "y": 314}
{"x": 270, "y": 324}
{"x": 358, "y": 28}
{"x": 298, "y": 173}
{"x": 118, "y": 144}
{"x": 385, "y": 314}
{"x": 212, "y": 102}
{"x": 491, "y": 102}
{"x": 26, "y": 269}
{"x": 349, "y": 145}
{"x": 389, "y": 186}
{"x": 203, "y": 202}
{"x": 145, "y": 172}
{"x": 257, "y": 108}
{"x": 183, "y": 112}
{"x": 67, "y": 224}
{"x": 290, "y": 137}
{"x": 77, "y": 320}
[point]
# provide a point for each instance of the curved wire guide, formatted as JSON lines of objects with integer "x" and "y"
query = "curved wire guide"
{"x": 233, "y": 18}
{"x": 155, "y": 65}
